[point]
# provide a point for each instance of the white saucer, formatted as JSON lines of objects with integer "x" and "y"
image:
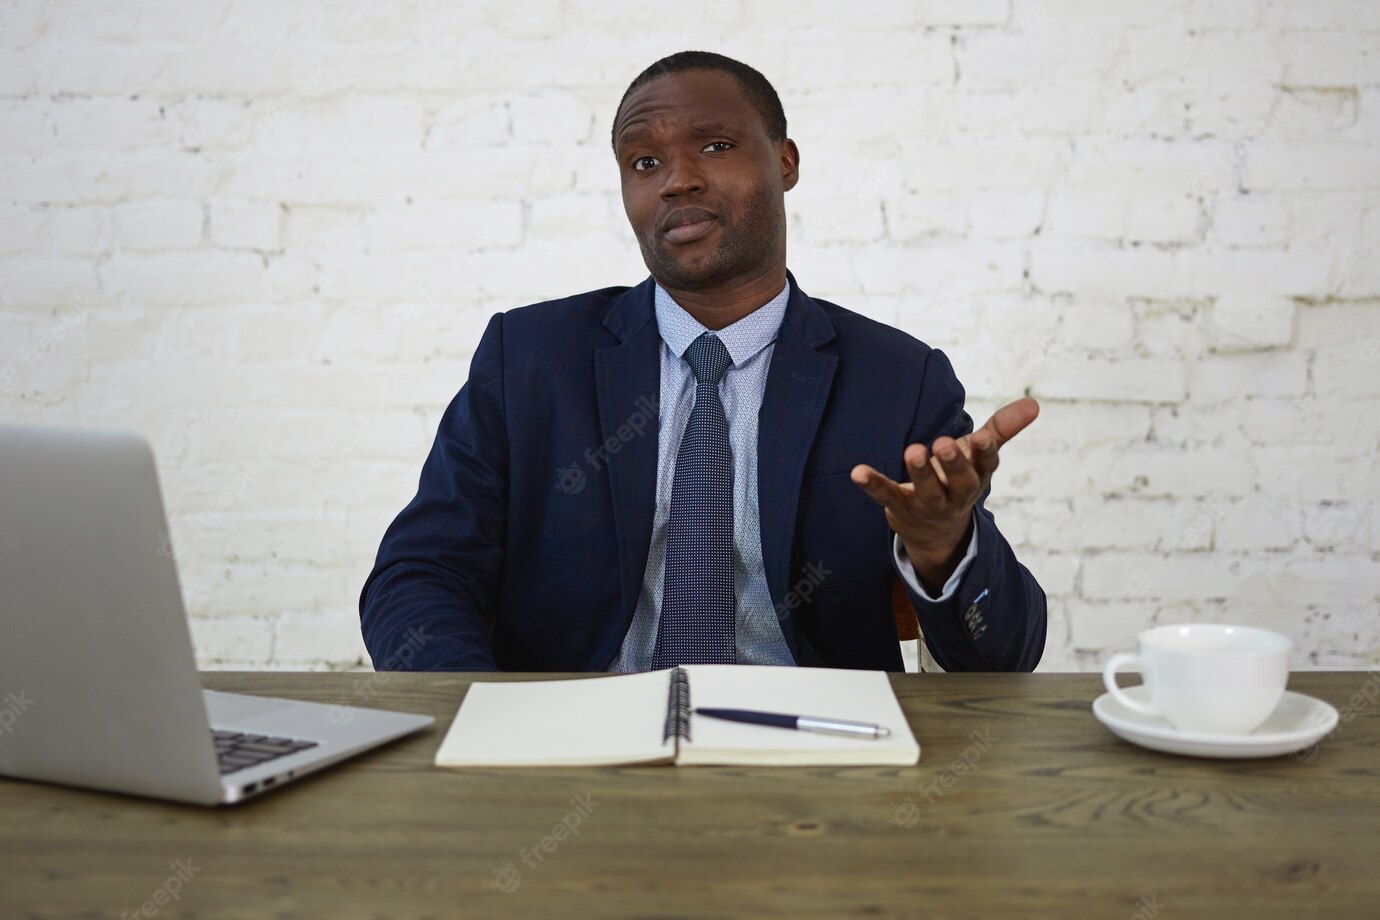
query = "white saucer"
{"x": 1297, "y": 722}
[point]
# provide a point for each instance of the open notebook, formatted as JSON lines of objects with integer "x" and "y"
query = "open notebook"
{"x": 646, "y": 718}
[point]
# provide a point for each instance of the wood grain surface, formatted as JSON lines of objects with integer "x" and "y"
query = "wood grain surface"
{"x": 1022, "y": 806}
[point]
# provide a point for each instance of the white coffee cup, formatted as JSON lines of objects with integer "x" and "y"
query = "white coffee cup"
{"x": 1206, "y": 677}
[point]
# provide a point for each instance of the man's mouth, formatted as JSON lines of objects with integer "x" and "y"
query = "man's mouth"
{"x": 690, "y": 232}
{"x": 688, "y": 224}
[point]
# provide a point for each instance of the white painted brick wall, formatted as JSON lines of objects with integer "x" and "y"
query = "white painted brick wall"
{"x": 269, "y": 235}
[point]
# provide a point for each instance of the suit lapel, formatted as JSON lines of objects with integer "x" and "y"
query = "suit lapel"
{"x": 797, "y": 389}
{"x": 628, "y": 381}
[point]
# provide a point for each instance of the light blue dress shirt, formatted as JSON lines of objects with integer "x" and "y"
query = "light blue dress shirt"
{"x": 750, "y": 343}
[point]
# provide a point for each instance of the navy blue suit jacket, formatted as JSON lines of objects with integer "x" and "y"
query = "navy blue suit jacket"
{"x": 525, "y": 545}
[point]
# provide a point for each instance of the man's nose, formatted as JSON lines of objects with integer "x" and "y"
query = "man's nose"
{"x": 681, "y": 178}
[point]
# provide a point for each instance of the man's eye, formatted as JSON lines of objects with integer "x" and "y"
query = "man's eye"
{"x": 637, "y": 163}
{"x": 724, "y": 144}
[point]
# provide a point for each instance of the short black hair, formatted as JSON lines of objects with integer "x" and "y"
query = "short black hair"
{"x": 759, "y": 90}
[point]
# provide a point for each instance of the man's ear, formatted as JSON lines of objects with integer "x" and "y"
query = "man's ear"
{"x": 790, "y": 164}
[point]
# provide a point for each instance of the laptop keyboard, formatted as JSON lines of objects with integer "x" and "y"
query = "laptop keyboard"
{"x": 237, "y": 750}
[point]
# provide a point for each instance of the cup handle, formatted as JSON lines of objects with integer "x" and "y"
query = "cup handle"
{"x": 1109, "y": 679}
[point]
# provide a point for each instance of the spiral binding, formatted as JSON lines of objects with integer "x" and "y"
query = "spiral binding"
{"x": 678, "y": 706}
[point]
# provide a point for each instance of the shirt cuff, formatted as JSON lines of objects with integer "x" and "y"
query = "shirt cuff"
{"x": 907, "y": 571}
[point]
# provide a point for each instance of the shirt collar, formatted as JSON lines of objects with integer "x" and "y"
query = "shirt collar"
{"x": 743, "y": 339}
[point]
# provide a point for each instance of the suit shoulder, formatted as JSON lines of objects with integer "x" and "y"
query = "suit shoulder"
{"x": 884, "y": 355}
{"x": 856, "y": 331}
{"x": 564, "y": 315}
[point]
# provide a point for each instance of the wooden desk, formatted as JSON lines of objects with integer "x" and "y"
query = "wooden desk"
{"x": 1056, "y": 817}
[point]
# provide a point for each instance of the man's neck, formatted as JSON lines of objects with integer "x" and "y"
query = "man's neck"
{"x": 716, "y": 308}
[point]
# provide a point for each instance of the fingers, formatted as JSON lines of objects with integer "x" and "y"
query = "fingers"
{"x": 1007, "y": 422}
{"x": 985, "y": 452}
{"x": 961, "y": 477}
{"x": 925, "y": 470}
{"x": 878, "y": 486}
{"x": 947, "y": 474}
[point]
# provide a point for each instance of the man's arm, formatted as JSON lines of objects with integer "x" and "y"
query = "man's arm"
{"x": 436, "y": 576}
{"x": 995, "y": 620}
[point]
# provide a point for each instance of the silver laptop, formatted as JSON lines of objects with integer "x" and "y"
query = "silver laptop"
{"x": 98, "y": 681}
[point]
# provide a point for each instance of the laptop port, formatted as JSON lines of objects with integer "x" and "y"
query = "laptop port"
{"x": 270, "y": 781}
{"x": 249, "y": 790}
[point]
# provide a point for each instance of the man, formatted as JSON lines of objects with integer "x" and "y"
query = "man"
{"x": 710, "y": 466}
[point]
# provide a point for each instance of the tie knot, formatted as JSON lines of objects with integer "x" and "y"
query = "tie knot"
{"x": 708, "y": 358}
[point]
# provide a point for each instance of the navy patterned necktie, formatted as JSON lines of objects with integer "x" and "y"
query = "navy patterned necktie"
{"x": 698, "y": 602}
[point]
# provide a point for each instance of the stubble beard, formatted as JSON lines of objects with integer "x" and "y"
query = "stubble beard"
{"x": 743, "y": 248}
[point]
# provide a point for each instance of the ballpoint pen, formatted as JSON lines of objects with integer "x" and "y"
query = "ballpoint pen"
{"x": 801, "y": 723}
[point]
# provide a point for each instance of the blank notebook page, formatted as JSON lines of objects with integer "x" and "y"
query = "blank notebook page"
{"x": 582, "y": 722}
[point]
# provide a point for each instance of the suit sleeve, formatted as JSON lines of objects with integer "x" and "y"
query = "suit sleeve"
{"x": 436, "y": 577}
{"x": 996, "y": 619}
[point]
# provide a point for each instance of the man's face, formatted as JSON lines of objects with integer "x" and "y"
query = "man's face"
{"x": 703, "y": 183}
